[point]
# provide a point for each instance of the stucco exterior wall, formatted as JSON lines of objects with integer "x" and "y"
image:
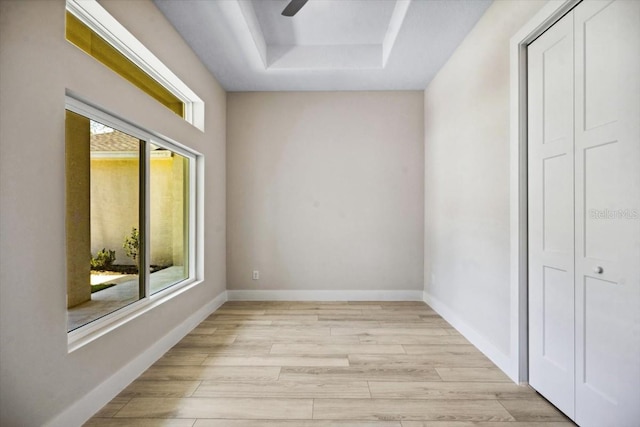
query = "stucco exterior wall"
{"x": 115, "y": 205}
{"x": 78, "y": 217}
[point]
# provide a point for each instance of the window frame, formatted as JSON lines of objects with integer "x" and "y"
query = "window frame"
{"x": 95, "y": 329}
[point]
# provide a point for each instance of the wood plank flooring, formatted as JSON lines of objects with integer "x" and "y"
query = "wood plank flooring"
{"x": 326, "y": 364}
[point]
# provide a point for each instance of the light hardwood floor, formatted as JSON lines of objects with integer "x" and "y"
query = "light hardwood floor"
{"x": 321, "y": 364}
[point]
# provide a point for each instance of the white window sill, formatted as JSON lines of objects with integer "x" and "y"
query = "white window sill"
{"x": 96, "y": 329}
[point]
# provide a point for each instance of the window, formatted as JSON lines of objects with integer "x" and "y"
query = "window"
{"x": 130, "y": 215}
{"x": 91, "y": 28}
{"x": 86, "y": 39}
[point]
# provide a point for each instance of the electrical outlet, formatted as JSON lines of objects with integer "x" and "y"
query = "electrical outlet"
{"x": 256, "y": 275}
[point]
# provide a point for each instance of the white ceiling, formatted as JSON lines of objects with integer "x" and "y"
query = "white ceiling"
{"x": 328, "y": 45}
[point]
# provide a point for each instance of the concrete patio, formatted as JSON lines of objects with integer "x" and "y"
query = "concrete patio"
{"x": 122, "y": 294}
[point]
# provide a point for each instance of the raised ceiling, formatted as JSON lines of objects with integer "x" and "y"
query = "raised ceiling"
{"x": 329, "y": 45}
{"x": 325, "y": 22}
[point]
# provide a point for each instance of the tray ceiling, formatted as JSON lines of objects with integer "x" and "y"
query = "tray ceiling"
{"x": 329, "y": 45}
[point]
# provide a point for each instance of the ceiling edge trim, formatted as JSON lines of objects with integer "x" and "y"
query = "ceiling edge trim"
{"x": 395, "y": 24}
{"x": 251, "y": 19}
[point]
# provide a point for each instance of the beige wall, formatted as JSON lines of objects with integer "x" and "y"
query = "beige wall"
{"x": 467, "y": 176}
{"x": 325, "y": 190}
{"x": 39, "y": 378}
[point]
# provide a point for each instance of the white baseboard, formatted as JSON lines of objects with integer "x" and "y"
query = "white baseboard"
{"x": 333, "y": 295}
{"x": 496, "y": 356}
{"x": 79, "y": 412}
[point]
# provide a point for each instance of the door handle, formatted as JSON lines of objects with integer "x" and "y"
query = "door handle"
{"x": 598, "y": 270}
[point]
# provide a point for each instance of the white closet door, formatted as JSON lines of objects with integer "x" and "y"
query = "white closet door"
{"x": 551, "y": 214}
{"x": 607, "y": 178}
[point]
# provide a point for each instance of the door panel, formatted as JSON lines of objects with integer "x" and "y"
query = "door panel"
{"x": 602, "y": 197}
{"x": 557, "y": 75}
{"x": 551, "y": 216}
{"x": 555, "y": 293}
{"x": 604, "y": 33}
{"x": 598, "y": 339}
{"x": 557, "y": 208}
{"x": 607, "y": 200}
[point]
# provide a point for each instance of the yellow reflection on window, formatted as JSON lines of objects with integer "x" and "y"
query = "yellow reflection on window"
{"x": 90, "y": 42}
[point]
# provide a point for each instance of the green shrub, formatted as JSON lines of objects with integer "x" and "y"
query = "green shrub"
{"x": 103, "y": 260}
{"x": 131, "y": 244}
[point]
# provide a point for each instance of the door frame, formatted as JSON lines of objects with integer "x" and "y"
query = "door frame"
{"x": 518, "y": 192}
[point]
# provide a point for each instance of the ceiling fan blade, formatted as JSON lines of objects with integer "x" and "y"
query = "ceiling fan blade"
{"x": 293, "y": 7}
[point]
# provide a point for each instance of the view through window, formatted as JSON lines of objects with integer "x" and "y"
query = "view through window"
{"x": 116, "y": 183}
